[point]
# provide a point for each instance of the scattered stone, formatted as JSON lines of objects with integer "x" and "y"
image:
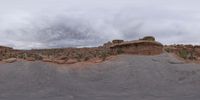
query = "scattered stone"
{"x": 175, "y": 62}
{"x": 155, "y": 60}
{"x": 10, "y": 60}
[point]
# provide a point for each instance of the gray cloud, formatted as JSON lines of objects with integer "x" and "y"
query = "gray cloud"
{"x": 29, "y": 24}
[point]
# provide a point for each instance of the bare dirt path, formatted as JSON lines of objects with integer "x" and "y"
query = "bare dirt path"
{"x": 127, "y": 77}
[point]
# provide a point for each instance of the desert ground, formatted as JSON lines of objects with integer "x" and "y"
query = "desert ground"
{"x": 126, "y": 77}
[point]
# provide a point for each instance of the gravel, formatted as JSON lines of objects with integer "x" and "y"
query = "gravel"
{"x": 127, "y": 77}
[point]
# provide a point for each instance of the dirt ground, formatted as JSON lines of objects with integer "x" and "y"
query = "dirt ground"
{"x": 127, "y": 77}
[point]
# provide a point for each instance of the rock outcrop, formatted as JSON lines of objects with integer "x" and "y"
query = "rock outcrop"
{"x": 148, "y": 38}
{"x": 145, "y": 46}
{"x": 117, "y": 41}
{"x": 10, "y": 60}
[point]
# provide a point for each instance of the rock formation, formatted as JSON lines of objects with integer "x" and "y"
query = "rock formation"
{"x": 145, "y": 46}
{"x": 117, "y": 41}
{"x": 148, "y": 38}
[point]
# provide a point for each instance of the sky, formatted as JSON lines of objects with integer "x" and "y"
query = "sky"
{"x": 29, "y": 24}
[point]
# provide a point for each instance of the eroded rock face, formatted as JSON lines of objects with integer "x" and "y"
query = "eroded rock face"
{"x": 145, "y": 46}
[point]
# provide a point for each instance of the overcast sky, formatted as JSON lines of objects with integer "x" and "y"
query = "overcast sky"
{"x": 26, "y": 24}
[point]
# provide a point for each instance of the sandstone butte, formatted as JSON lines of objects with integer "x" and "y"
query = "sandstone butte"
{"x": 144, "y": 46}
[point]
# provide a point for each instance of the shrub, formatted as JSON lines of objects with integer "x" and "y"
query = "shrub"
{"x": 79, "y": 56}
{"x": 183, "y": 54}
{"x": 25, "y": 56}
{"x": 37, "y": 57}
{"x": 104, "y": 55}
{"x": 20, "y": 56}
{"x": 168, "y": 50}
{"x": 86, "y": 58}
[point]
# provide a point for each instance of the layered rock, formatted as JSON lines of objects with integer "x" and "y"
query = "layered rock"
{"x": 142, "y": 47}
{"x": 117, "y": 41}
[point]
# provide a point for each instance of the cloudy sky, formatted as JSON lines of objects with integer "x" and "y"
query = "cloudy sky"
{"x": 26, "y": 24}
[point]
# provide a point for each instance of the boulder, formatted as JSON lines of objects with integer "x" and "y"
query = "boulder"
{"x": 59, "y": 61}
{"x": 30, "y": 59}
{"x": 10, "y": 60}
{"x": 71, "y": 61}
{"x": 148, "y": 38}
{"x": 117, "y": 41}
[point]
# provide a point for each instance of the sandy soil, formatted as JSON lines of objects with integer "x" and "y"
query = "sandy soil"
{"x": 126, "y": 77}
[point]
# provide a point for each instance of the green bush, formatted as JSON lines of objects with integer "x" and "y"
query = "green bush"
{"x": 184, "y": 54}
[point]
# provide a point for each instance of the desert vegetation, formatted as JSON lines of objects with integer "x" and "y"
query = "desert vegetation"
{"x": 145, "y": 46}
{"x": 187, "y": 52}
